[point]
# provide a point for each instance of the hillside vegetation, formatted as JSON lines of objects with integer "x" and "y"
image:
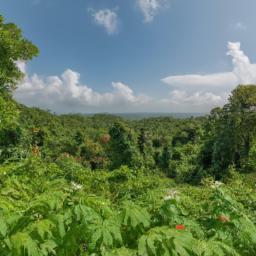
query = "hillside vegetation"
{"x": 103, "y": 185}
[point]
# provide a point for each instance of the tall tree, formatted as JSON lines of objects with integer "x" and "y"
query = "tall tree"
{"x": 231, "y": 132}
{"x": 122, "y": 147}
{"x": 13, "y": 47}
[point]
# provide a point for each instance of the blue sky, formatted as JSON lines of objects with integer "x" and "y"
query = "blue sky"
{"x": 134, "y": 55}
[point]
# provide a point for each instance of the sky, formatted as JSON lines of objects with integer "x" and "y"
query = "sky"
{"x": 134, "y": 55}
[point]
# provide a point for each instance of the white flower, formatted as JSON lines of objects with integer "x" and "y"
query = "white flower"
{"x": 170, "y": 194}
{"x": 167, "y": 198}
{"x": 216, "y": 184}
{"x": 76, "y": 186}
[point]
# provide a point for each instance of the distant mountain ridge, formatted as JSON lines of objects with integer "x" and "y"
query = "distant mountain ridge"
{"x": 142, "y": 115}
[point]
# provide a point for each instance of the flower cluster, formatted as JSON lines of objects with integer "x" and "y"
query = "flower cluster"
{"x": 170, "y": 194}
{"x": 76, "y": 186}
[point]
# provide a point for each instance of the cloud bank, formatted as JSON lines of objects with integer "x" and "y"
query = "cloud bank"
{"x": 65, "y": 93}
{"x": 187, "y": 93}
{"x": 106, "y": 18}
{"x": 218, "y": 85}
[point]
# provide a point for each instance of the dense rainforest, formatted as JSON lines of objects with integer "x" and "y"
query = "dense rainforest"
{"x": 103, "y": 185}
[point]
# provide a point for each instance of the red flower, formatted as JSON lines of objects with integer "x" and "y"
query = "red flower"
{"x": 180, "y": 227}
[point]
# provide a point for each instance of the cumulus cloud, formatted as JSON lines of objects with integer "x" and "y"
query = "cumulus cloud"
{"x": 150, "y": 8}
{"x": 244, "y": 70}
{"x": 215, "y": 87}
{"x": 184, "y": 101}
{"x": 65, "y": 93}
{"x": 197, "y": 98}
{"x": 106, "y": 18}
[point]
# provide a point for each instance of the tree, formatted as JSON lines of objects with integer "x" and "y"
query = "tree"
{"x": 78, "y": 138}
{"x": 243, "y": 114}
{"x": 8, "y": 112}
{"x": 122, "y": 149}
{"x": 166, "y": 158}
{"x": 13, "y": 47}
{"x": 142, "y": 141}
{"x": 231, "y": 131}
{"x": 92, "y": 153}
{"x": 145, "y": 148}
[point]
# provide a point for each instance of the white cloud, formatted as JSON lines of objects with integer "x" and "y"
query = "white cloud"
{"x": 215, "y": 87}
{"x": 22, "y": 66}
{"x": 193, "y": 102}
{"x": 150, "y": 8}
{"x": 197, "y": 98}
{"x": 195, "y": 82}
{"x": 66, "y": 93}
{"x": 106, "y": 18}
{"x": 188, "y": 93}
{"x": 244, "y": 70}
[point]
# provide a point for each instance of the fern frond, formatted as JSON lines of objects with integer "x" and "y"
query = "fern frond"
{"x": 120, "y": 252}
{"x": 166, "y": 241}
{"x": 216, "y": 248}
{"x": 135, "y": 217}
{"x": 23, "y": 245}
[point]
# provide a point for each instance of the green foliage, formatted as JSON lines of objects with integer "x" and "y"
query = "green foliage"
{"x": 231, "y": 133}
{"x": 13, "y": 48}
{"x": 122, "y": 141}
{"x": 251, "y": 162}
{"x": 166, "y": 241}
{"x": 216, "y": 248}
{"x": 121, "y": 251}
{"x": 8, "y": 113}
{"x": 238, "y": 230}
{"x": 57, "y": 202}
{"x": 47, "y": 212}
